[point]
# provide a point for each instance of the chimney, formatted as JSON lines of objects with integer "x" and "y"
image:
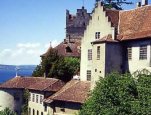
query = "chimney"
{"x": 138, "y": 4}
{"x": 144, "y": 2}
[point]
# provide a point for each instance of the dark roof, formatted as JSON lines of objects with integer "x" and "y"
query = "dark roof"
{"x": 135, "y": 24}
{"x": 107, "y": 38}
{"x": 61, "y": 49}
{"x": 35, "y": 83}
{"x": 74, "y": 91}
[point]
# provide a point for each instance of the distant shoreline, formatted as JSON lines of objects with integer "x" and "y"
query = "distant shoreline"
{"x": 10, "y": 72}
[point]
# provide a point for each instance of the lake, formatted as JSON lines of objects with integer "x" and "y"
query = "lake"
{"x": 6, "y": 74}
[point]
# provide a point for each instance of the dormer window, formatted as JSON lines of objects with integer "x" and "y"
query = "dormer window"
{"x": 68, "y": 49}
{"x": 97, "y": 35}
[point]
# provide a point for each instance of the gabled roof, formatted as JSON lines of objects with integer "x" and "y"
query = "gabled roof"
{"x": 34, "y": 83}
{"x": 74, "y": 91}
{"x": 61, "y": 49}
{"x": 135, "y": 24}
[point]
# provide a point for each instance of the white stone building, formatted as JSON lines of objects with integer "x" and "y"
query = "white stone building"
{"x": 116, "y": 41}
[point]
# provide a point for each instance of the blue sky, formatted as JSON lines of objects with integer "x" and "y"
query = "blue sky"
{"x": 28, "y": 26}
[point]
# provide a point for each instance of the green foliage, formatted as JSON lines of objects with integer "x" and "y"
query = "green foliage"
{"x": 143, "y": 106}
{"x": 24, "y": 110}
{"x": 55, "y": 66}
{"x": 65, "y": 68}
{"x": 117, "y": 4}
{"x": 7, "y": 111}
{"x": 120, "y": 95}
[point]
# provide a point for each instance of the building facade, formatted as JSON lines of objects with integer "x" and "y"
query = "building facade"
{"x": 115, "y": 41}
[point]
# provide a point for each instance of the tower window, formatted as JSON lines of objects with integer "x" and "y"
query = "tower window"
{"x": 89, "y": 54}
{"x": 97, "y": 35}
{"x": 98, "y": 53}
{"x": 88, "y": 75}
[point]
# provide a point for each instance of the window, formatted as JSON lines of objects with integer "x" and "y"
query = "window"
{"x": 45, "y": 108}
{"x": 98, "y": 52}
{"x": 33, "y": 112}
{"x": 41, "y": 99}
{"x": 129, "y": 53}
{"x": 88, "y": 75}
{"x": 42, "y": 113}
{"x": 29, "y": 96}
{"x": 89, "y": 54}
{"x": 68, "y": 49}
{"x": 33, "y": 99}
{"x": 97, "y": 35}
{"x": 62, "y": 109}
{"x": 37, "y": 112}
{"x": 29, "y": 112}
{"x": 143, "y": 52}
{"x": 36, "y": 98}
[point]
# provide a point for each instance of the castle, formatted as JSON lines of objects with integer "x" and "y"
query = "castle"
{"x": 112, "y": 40}
{"x": 75, "y": 26}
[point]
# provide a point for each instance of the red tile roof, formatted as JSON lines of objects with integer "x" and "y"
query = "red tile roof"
{"x": 135, "y": 24}
{"x": 61, "y": 49}
{"x": 35, "y": 83}
{"x": 74, "y": 46}
{"x": 49, "y": 84}
{"x": 74, "y": 91}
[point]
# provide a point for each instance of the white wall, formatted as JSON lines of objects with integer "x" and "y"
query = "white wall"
{"x": 7, "y": 99}
{"x": 98, "y": 66}
{"x": 99, "y": 23}
{"x": 38, "y": 106}
{"x": 135, "y": 63}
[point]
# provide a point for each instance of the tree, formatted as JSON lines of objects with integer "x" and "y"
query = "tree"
{"x": 7, "y": 111}
{"x": 113, "y": 95}
{"x": 65, "y": 68}
{"x": 46, "y": 64}
{"x": 117, "y": 4}
{"x": 120, "y": 95}
{"x": 24, "y": 110}
{"x": 143, "y": 103}
{"x": 55, "y": 66}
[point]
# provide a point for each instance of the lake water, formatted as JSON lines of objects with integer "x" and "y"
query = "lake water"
{"x": 8, "y": 74}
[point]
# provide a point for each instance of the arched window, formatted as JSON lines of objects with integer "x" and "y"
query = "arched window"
{"x": 29, "y": 112}
{"x": 37, "y": 112}
{"x": 33, "y": 112}
{"x": 42, "y": 113}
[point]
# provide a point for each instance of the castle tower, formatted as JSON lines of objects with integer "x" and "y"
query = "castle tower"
{"x": 76, "y": 24}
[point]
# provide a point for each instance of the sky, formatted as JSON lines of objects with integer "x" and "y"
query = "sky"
{"x": 28, "y": 26}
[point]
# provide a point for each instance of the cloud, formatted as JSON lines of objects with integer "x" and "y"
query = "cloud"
{"x": 24, "y": 53}
{"x": 52, "y": 43}
{"x": 28, "y": 45}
